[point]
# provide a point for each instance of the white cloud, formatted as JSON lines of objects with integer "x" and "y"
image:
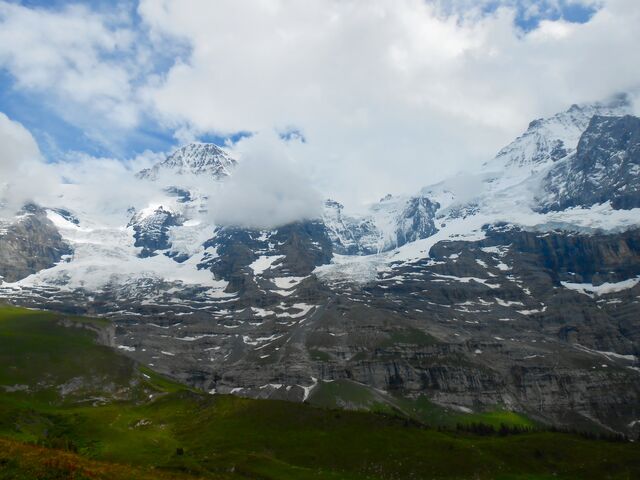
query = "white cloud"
{"x": 390, "y": 95}
{"x": 83, "y": 63}
{"x": 266, "y": 189}
{"x": 99, "y": 189}
{"x": 105, "y": 189}
{"x": 24, "y": 177}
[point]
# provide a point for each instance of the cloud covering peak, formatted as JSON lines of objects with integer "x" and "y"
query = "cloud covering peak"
{"x": 266, "y": 189}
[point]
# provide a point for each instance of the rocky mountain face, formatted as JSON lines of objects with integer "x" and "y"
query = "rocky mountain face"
{"x": 241, "y": 255}
{"x": 392, "y": 223}
{"x": 523, "y": 296}
{"x": 416, "y": 220}
{"x": 28, "y": 244}
{"x": 605, "y": 167}
{"x": 195, "y": 159}
{"x": 350, "y": 235}
{"x": 548, "y": 140}
{"x": 151, "y": 230}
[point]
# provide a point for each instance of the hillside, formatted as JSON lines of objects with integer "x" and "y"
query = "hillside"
{"x": 73, "y": 408}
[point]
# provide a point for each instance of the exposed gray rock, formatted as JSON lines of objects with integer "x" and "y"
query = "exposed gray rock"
{"x": 416, "y": 221}
{"x": 301, "y": 246}
{"x": 392, "y": 222}
{"x": 350, "y": 235}
{"x": 605, "y": 168}
{"x": 29, "y": 244}
{"x": 151, "y": 230}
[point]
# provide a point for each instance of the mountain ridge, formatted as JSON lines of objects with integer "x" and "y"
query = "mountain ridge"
{"x": 195, "y": 158}
{"x": 476, "y": 292}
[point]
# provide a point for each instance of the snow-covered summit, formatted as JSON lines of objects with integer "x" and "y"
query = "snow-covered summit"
{"x": 514, "y": 188}
{"x": 194, "y": 159}
{"x": 547, "y": 140}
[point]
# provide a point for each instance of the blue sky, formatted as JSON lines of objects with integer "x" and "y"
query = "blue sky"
{"x": 576, "y": 12}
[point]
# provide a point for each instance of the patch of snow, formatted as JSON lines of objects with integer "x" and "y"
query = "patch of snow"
{"x": 307, "y": 390}
{"x": 285, "y": 283}
{"x": 353, "y": 269}
{"x": 303, "y": 307}
{"x": 603, "y": 289}
{"x": 483, "y": 281}
{"x": 264, "y": 262}
{"x": 462, "y": 409}
{"x": 506, "y": 303}
{"x": 532, "y": 311}
{"x": 607, "y": 355}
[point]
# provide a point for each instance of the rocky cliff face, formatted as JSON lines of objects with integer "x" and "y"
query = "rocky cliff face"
{"x": 151, "y": 230}
{"x": 389, "y": 224}
{"x": 605, "y": 167}
{"x": 548, "y": 140}
{"x": 29, "y": 244}
{"x": 350, "y": 235}
{"x": 416, "y": 220}
{"x": 241, "y": 255}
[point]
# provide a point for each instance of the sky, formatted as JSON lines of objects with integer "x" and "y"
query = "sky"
{"x": 357, "y": 98}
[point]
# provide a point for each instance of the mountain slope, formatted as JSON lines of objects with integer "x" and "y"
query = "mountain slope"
{"x": 143, "y": 426}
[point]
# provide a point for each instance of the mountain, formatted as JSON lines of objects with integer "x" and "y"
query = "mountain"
{"x": 547, "y": 140}
{"x": 389, "y": 224}
{"x": 350, "y": 235}
{"x": 604, "y": 168}
{"x": 195, "y": 159}
{"x": 29, "y": 243}
{"x": 515, "y": 287}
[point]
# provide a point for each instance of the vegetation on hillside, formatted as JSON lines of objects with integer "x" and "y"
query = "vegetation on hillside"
{"x": 73, "y": 409}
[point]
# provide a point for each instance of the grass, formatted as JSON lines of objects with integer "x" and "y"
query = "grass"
{"x": 346, "y": 394}
{"x": 425, "y": 411}
{"x": 28, "y": 462}
{"x": 122, "y": 420}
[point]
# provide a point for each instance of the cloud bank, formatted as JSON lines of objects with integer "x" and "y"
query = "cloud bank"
{"x": 390, "y": 95}
{"x": 266, "y": 190}
{"x": 24, "y": 177}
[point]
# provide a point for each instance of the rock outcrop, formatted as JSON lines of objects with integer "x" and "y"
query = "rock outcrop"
{"x": 29, "y": 244}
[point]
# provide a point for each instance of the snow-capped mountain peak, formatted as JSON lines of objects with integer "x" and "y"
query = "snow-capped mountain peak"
{"x": 547, "y": 140}
{"x": 194, "y": 159}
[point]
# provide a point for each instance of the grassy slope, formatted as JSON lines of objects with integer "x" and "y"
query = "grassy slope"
{"x": 346, "y": 394}
{"x": 136, "y": 420}
{"x": 21, "y": 461}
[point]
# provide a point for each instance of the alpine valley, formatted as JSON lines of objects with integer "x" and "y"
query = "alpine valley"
{"x": 514, "y": 288}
